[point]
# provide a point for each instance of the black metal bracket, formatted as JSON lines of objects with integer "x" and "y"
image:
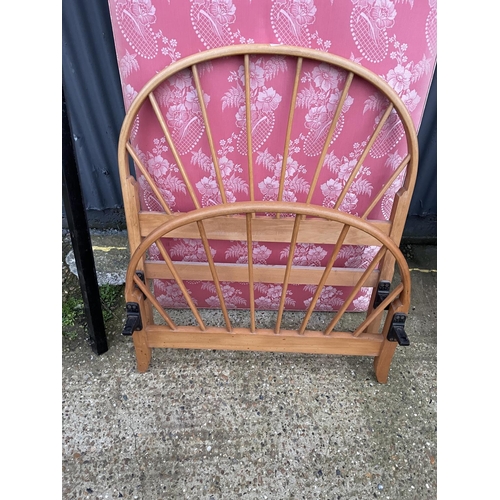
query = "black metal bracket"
{"x": 383, "y": 290}
{"x": 133, "y": 322}
{"x": 397, "y": 331}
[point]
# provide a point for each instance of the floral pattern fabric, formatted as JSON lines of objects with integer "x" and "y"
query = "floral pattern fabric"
{"x": 396, "y": 39}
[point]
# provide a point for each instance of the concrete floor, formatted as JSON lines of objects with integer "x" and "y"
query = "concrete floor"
{"x": 224, "y": 425}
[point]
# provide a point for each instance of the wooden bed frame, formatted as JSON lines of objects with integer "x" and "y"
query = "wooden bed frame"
{"x": 377, "y": 332}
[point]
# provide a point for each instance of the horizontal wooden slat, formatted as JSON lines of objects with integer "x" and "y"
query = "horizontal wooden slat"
{"x": 265, "y": 229}
{"x": 300, "y": 275}
{"x": 265, "y": 340}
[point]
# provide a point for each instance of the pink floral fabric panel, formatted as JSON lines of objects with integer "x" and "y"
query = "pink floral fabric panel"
{"x": 395, "y": 39}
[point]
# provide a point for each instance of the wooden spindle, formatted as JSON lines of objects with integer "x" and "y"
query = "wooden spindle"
{"x": 363, "y": 156}
{"x": 180, "y": 283}
{"x": 355, "y": 290}
{"x": 289, "y": 263}
{"x": 203, "y": 108}
{"x": 250, "y": 272}
{"x": 175, "y": 153}
{"x": 249, "y": 126}
{"x": 386, "y": 186}
{"x": 148, "y": 177}
{"x": 154, "y": 302}
{"x": 206, "y": 246}
{"x": 324, "y": 277}
{"x": 289, "y": 130}
{"x": 329, "y": 136}
{"x": 379, "y": 309}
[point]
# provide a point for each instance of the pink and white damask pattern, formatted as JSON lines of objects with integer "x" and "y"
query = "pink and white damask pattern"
{"x": 320, "y": 98}
{"x": 396, "y": 39}
{"x": 264, "y": 100}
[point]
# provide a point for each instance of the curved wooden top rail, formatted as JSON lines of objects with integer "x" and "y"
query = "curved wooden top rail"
{"x": 284, "y": 50}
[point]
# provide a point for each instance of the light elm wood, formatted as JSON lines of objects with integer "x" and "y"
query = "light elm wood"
{"x": 329, "y": 136}
{"x": 386, "y": 186}
{"x": 173, "y": 148}
{"x": 355, "y": 290}
{"x": 286, "y": 278}
{"x": 265, "y": 229}
{"x": 142, "y": 287}
{"x": 138, "y": 163}
{"x": 213, "y": 270}
{"x": 343, "y": 342}
{"x": 251, "y": 293}
{"x": 241, "y": 339}
{"x": 248, "y": 110}
{"x": 363, "y": 156}
{"x": 288, "y": 134}
{"x": 238, "y": 273}
{"x": 208, "y": 131}
{"x": 324, "y": 278}
{"x": 180, "y": 283}
{"x": 242, "y": 221}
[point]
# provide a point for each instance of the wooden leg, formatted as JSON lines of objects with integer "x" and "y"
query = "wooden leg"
{"x": 142, "y": 350}
{"x": 383, "y": 361}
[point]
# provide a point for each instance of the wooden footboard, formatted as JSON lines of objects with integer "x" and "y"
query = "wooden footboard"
{"x": 165, "y": 332}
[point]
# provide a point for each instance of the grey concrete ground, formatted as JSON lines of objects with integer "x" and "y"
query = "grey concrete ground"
{"x": 222, "y": 425}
